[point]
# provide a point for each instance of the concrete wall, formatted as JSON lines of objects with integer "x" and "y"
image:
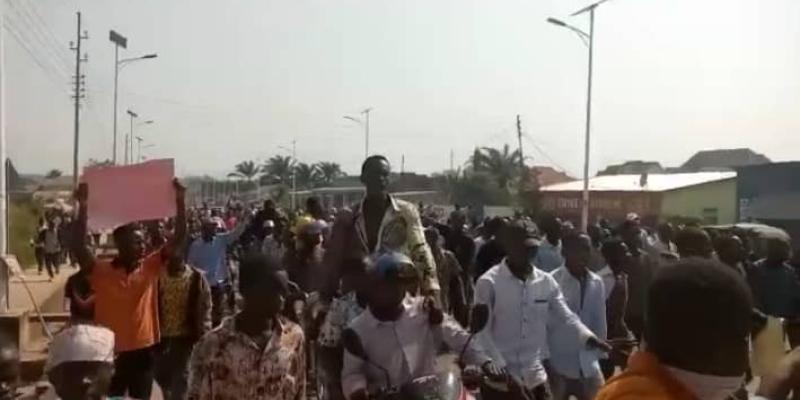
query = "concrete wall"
{"x": 708, "y": 201}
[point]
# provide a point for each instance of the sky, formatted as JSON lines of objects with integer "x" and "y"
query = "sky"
{"x": 241, "y": 80}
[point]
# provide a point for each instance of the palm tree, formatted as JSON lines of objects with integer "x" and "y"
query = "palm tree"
{"x": 53, "y": 174}
{"x": 246, "y": 170}
{"x": 307, "y": 176}
{"x": 501, "y": 165}
{"x": 278, "y": 170}
{"x": 328, "y": 172}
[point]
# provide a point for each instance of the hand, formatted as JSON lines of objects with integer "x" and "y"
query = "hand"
{"x": 82, "y": 193}
{"x": 516, "y": 389}
{"x": 493, "y": 371}
{"x": 435, "y": 314}
{"x": 360, "y": 394}
{"x": 595, "y": 343}
{"x": 180, "y": 190}
{"x": 784, "y": 378}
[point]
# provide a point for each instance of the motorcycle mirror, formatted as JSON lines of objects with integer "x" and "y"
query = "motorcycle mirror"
{"x": 479, "y": 318}
{"x": 353, "y": 344}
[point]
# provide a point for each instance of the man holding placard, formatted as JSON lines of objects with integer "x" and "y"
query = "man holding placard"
{"x": 126, "y": 290}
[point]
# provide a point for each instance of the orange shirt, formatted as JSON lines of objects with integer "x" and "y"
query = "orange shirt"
{"x": 128, "y": 303}
{"x": 644, "y": 378}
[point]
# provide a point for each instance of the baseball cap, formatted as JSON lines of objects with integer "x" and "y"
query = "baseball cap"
{"x": 527, "y": 229}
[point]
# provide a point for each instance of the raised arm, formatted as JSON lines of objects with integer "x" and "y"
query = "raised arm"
{"x": 79, "y": 246}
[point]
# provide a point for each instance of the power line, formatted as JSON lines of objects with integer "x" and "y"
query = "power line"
{"x": 543, "y": 153}
{"x": 54, "y": 41}
{"x": 34, "y": 30}
{"x": 51, "y": 73}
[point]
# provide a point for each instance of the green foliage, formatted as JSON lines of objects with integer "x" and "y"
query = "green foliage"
{"x": 23, "y": 221}
{"x": 278, "y": 169}
{"x": 53, "y": 174}
{"x": 328, "y": 172}
{"x": 246, "y": 170}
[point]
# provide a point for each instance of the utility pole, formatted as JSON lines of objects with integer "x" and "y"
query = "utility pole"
{"x": 3, "y": 165}
{"x": 402, "y": 164}
{"x": 294, "y": 174}
{"x": 521, "y": 155}
{"x": 78, "y": 95}
{"x": 366, "y": 131}
{"x": 452, "y": 156}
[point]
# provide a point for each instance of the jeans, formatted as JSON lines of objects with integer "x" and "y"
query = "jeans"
{"x": 172, "y": 366}
{"x": 133, "y": 373}
{"x": 52, "y": 262}
{"x": 584, "y": 388}
{"x": 219, "y": 302}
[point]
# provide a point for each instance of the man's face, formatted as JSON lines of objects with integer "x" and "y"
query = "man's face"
{"x": 386, "y": 293}
{"x": 620, "y": 258}
{"x": 264, "y": 299}
{"x": 209, "y": 230}
{"x": 82, "y": 380}
{"x": 131, "y": 246}
{"x": 577, "y": 255}
{"x": 376, "y": 177}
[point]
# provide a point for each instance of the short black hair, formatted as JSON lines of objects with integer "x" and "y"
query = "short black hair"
{"x": 122, "y": 232}
{"x": 693, "y": 242}
{"x": 312, "y": 201}
{"x": 610, "y": 246}
{"x": 260, "y": 269}
{"x": 696, "y": 309}
{"x": 372, "y": 159}
{"x": 575, "y": 240}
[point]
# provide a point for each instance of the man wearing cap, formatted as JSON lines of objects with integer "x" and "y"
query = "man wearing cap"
{"x": 80, "y": 362}
{"x": 522, "y": 300}
{"x": 304, "y": 261}
{"x": 379, "y": 224}
{"x": 270, "y": 246}
{"x": 400, "y": 335}
{"x": 208, "y": 253}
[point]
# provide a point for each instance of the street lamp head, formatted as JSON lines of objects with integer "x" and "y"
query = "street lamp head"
{"x": 133, "y": 114}
{"x": 556, "y": 22}
{"x": 154, "y": 55}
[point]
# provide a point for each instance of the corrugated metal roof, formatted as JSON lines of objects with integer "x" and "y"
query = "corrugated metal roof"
{"x": 633, "y": 183}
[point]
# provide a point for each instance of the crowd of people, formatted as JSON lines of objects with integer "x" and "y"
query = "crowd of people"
{"x": 238, "y": 303}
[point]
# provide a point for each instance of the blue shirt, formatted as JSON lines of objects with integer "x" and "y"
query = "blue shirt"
{"x": 548, "y": 256}
{"x": 210, "y": 257}
{"x": 568, "y": 356}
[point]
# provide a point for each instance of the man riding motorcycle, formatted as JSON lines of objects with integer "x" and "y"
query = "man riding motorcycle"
{"x": 400, "y": 335}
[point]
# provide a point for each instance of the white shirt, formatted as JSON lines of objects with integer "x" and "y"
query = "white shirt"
{"x": 609, "y": 280}
{"x": 516, "y": 335}
{"x": 568, "y": 355}
{"x": 406, "y": 348}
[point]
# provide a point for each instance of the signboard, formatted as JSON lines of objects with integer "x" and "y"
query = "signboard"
{"x": 120, "y": 40}
{"x": 124, "y": 194}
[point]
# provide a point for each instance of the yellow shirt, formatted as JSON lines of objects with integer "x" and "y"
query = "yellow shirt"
{"x": 174, "y": 300}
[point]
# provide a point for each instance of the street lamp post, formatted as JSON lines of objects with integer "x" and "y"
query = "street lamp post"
{"x": 294, "y": 172}
{"x": 120, "y": 41}
{"x": 365, "y": 124}
{"x": 586, "y": 37}
{"x": 129, "y": 140}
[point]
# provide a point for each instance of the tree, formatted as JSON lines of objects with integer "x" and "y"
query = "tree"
{"x": 278, "y": 170}
{"x": 328, "y": 172}
{"x": 307, "y": 176}
{"x": 246, "y": 170}
{"x": 53, "y": 174}
{"x": 501, "y": 165}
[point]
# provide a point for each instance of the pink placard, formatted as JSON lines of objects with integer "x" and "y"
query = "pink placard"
{"x": 123, "y": 194}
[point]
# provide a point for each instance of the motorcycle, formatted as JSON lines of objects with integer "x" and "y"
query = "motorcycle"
{"x": 442, "y": 386}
